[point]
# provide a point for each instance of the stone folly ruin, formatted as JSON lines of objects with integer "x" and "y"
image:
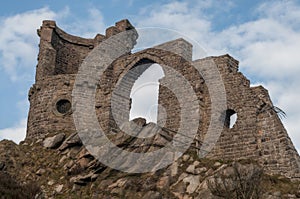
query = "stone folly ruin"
{"x": 258, "y": 133}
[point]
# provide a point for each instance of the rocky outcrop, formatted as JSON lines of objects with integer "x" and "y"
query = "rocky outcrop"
{"x": 69, "y": 170}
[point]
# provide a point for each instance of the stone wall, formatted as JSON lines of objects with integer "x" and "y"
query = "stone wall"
{"x": 59, "y": 58}
{"x": 43, "y": 115}
{"x": 257, "y": 134}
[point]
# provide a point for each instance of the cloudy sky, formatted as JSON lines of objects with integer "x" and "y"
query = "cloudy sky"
{"x": 263, "y": 35}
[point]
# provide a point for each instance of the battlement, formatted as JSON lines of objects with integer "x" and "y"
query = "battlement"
{"x": 120, "y": 26}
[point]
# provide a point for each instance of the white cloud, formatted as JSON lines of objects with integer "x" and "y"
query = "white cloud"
{"x": 16, "y": 133}
{"x": 87, "y": 26}
{"x": 177, "y": 16}
{"x": 286, "y": 12}
{"x": 144, "y": 94}
{"x": 265, "y": 47}
{"x": 19, "y": 42}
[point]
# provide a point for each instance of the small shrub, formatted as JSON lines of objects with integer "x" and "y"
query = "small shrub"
{"x": 11, "y": 189}
{"x": 241, "y": 183}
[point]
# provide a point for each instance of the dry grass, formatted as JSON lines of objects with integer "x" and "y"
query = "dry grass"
{"x": 11, "y": 189}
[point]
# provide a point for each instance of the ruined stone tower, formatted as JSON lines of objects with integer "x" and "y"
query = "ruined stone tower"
{"x": 258, "y": 133}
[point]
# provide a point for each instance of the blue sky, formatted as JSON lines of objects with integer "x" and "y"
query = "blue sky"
{"x": 263, "y": 35}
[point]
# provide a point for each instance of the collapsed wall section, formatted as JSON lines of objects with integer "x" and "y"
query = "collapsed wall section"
{"x": 258, "y": 133}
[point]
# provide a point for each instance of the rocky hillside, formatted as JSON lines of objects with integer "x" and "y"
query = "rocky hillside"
{"x": 59, "y": 166}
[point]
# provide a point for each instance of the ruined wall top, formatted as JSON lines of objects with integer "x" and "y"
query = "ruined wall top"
{"x": 62, "y": 53}
{"x": 48, "y": 26}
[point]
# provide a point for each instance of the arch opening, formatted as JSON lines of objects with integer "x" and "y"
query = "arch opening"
{"x": 144, "y": 94}
{"x": 230, "y": 118}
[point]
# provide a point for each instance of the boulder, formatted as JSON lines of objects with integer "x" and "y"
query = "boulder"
{"x": 193, "y": 181}
{"x": 153, "y": 195}
{"x": 84, "y": 179}
{"x": 72, "y": 140}
{"x": 40, "y": 172}
{"x": 191, "y": 169}
{"x": 163, "y": 182}
{"x": 59, "y": 188}
{"x": 51, "y": 182}
{"x": 174, "y": 169}
{"x": 140, "y": 121}
{"x": 54, "y": 141}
